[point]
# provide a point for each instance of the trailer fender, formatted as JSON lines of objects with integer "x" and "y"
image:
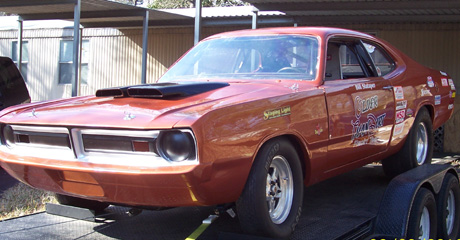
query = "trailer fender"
{"x": 393, "y": 215}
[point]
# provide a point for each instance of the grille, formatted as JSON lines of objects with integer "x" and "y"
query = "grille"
{"x": 38, "y": 136}
{"x": 99, "y": 146}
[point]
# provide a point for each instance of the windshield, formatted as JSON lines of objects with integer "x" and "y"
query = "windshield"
{"x": 254, "y": 57}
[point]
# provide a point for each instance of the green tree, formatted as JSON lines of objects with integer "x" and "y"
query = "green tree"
{"x": 158, "y": 4}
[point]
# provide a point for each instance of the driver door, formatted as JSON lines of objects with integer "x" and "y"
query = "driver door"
{"x": 360, "y": 104}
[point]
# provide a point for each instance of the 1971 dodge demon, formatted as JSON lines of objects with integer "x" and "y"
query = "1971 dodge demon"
{"x": 246, "y": 117}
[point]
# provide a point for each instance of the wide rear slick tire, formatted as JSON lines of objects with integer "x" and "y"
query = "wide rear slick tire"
{"x": 271, "y": 202}
{"x": 423, "y": 218}
{"x": 417, "y": 149}
{"x": 81, "y": 203}
{"x": 448, "y": 200}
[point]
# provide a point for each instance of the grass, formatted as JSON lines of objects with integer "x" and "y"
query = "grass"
{"x": 21, "y": 200}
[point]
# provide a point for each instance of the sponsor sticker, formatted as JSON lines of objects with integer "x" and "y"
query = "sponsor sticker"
{"x": 444, "y": 82}
{"x": 452, "y": 95}
{"x": 399, "y": 128}
{"x": 399, "y": 92}
{"x": 451, "y": 106}
{"x": 429, "y": 81}
{"x": 278, "y": 112}
{"x": 409, "y": 112}
{"x": 426, "y": 92}
{"x": 452, "y": 85}
{"x": 400, "y": 115}
{"x": 401, "y": 105}
{"x": 443, "y": 73}
{"x": 318, "y": 130}
{"x": 437, "y": 99}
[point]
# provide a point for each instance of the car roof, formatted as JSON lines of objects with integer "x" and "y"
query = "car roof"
{"x": 322, "y": 32}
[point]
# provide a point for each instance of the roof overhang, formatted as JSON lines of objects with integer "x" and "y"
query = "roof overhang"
{"x": 94, "y": 13}
{"x": 314, "y": 12}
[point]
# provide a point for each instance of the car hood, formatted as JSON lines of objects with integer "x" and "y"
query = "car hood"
{"x": 142, "y": 112}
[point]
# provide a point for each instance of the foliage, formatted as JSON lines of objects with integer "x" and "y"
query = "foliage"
{"x": 158, "y": 4}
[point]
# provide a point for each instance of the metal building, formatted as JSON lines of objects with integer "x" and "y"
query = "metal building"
{"x": 112, "y": 40}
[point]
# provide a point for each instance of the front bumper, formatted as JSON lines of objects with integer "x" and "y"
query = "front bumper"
{"x": 160, "y": 187}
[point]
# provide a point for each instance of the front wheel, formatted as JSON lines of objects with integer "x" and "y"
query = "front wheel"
{"x": 271, "y": 202}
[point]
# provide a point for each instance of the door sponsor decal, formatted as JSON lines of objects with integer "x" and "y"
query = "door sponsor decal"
{"x": 364, "y": 132}
{"x": 399, "y": 92}
{"x": 452, "y": 94}
{"x": 365, "y": 105}
{"x": 451, "y": 106}
{"x": 364, "y": 86}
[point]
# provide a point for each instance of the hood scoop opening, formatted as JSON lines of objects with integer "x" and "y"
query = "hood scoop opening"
{"x": 161, "y": 90}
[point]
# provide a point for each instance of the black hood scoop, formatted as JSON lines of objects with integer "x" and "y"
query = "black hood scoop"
{"x": 161, "y": 90}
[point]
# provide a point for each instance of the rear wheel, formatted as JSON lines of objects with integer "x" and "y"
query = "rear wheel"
{"x": 271, "y": 202}
{"x": 417, "y": 149}
{"x": 80, "y": 202}
{"x": 448, "y": 201}
{"x": 422, "y": 219}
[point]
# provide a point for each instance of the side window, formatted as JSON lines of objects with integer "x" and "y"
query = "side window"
{"x": 342, "y": 62}
{"x": 383, "y": 63}
{"x": 25, "y": 56}
{"x": 351, "y": 68}
{"x": 66, "y": 71}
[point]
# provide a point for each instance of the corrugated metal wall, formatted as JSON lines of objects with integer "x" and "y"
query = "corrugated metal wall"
{"x": 115, "y": 56}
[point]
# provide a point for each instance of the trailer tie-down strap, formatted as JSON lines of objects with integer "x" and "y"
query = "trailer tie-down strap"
{"x": 202, "y": 227}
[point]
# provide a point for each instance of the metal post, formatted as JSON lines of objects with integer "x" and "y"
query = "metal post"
{"x": 79, "y": 61}
{"x": 145, "y": 34}
{"x": 19, "y": 45}
{"x": 76, "y": 47}
{"x": 197, "y": 21}
{"x": 255, "y": 13}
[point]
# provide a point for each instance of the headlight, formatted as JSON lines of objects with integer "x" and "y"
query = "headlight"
{"x": 176, "y": 146}
{"x": 8, "y": 135}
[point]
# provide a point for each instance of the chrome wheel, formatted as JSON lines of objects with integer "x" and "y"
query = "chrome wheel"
{"x": 424, "y": 233}
{"x": 422, "y": 143}
{"x": 450, "y": 208}
{"x": 279, "y": 189}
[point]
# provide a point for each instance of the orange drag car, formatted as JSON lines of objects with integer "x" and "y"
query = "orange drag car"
{"x": 247, "y": 117}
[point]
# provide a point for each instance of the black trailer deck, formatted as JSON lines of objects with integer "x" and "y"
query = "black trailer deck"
{"x": 333, "y": 209}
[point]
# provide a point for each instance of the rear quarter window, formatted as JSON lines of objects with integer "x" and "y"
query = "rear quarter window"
{"x": 382, "y": 61}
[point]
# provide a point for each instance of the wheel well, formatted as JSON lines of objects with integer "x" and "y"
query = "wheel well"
{"x": 301, "y": 152}
{"x": 430, "y": 110}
